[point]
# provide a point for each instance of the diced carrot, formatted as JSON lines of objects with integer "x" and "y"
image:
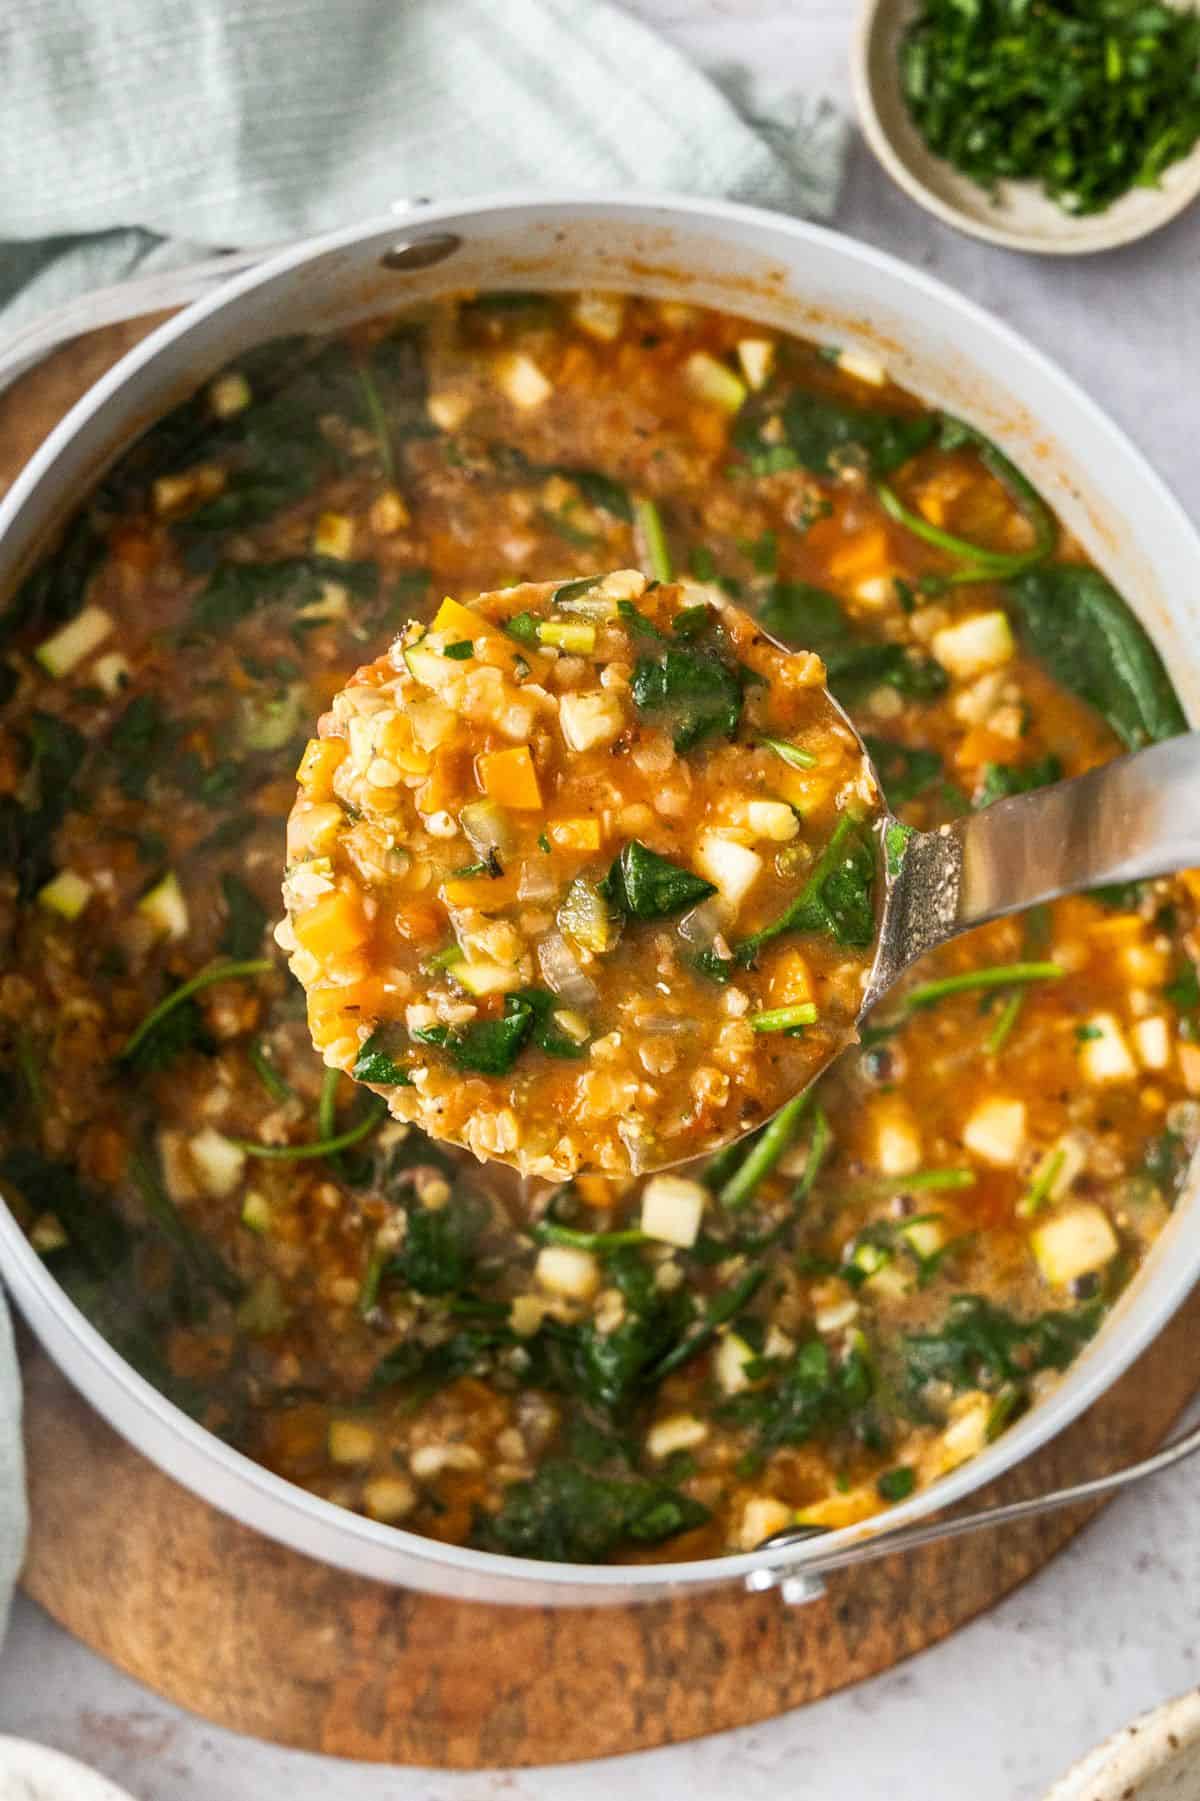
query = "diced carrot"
{"x": 791, "y": 980}
{"x": 334, "y": 926}
{"x": 1191, "y": 881}
{"x": 597, "y": 1191}
{"x": 449, "y": 782}
{"x": 321, "y": 759}
{"x": 464, "y": 622}
{"x": 420, "y": 921}
{"x": 487, "y": 893}
{"x": 576, "y": 834}
{"x": 866, "y": 555}
{"x": 1118, "y": 928}
{"x": 508, "y": 776}
{"x": 135, "y": 547}
{"x": 273, "y": 799}
{"x": 982, "y": 746}
{"x": 358, "y": 1001}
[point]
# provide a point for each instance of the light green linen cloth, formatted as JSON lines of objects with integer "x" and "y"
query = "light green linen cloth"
{"x": 220, "y": 123}
{"x": 140, "y": 134}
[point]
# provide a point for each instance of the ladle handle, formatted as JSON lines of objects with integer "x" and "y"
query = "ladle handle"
{"x": 1136, "y": 817}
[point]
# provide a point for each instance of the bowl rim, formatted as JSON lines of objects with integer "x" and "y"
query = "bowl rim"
{"x": 871, "y": 16}
{"x": 281, "y": 1509}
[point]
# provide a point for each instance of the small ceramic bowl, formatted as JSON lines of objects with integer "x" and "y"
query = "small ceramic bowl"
{"x": 1021, "y": 217}
{"x": 30, "y": 1772}
{"x": 1157, "y": 1758}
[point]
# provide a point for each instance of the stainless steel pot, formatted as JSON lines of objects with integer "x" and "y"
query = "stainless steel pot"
{"x": 791, "y": 276}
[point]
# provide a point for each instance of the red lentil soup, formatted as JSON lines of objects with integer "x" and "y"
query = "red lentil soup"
{"x": 808, "y": 1327}
{"x": 545, "y": 892}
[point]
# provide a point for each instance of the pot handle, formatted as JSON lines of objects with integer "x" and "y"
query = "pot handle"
{"x": 112, "y": 305}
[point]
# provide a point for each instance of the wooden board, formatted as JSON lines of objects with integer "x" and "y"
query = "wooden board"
{"x": 263, "y": 1640}
{"x": 266, "y": 1641}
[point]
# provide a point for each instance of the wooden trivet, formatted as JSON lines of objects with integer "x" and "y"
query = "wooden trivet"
{"x": 266, "y": 1641}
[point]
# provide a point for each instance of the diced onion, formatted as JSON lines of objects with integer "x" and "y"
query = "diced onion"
{"x": 487, "y": 826}
{"x": 703, "y": 923}
{"x": 538, "y": 881}
{"x": 562, "y": 973}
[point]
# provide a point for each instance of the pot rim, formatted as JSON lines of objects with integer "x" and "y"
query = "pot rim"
{"x": 96, "y": 1367}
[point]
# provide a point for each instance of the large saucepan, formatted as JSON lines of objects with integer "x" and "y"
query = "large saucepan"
{"x": 787, "y": 275}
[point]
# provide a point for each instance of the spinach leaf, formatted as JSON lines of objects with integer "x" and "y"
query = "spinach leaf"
{"x": 1077, "y": 624}
{"x": 601, "y": 491}
{"x": 812, "y": 1395}
{"x": 1184, "y": 990}
{"x": 905, "y": 772}
{"x": 55, "y": 590}
{"x": 98, "y": 1240}
{"x": 488, "y": 1047}
{"x": 235, "y": 590}
{"x": 422, "y": 1369}
{"x": 437, "y": 1255}
{"x": 546, "y": 1034}
{"x": 375, "y": 1062}
{"x": 807, "y": 618}
{"x": 246, "y": 919}
{"x": 981, "y": 1345}
{"x": 823, "y": 434}
{"x": 838, "y": 897}
{"x": 998, "y": 781}
{"x": 139, "y": 742}
{"x": 29, "y": 820}
{"x": 692, "y": 690}
{"x": 568, "y": 1514}
{"x": 181, "y": 1029}
{"x": 647, "y": 886}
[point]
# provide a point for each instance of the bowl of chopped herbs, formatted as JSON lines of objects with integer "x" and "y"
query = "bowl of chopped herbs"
{"x": 1062, "y": 127}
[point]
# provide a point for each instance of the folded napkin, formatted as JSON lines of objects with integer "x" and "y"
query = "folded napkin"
{"x": 140, "y": 134}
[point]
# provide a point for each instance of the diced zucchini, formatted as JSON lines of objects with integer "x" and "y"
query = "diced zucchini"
{"x": 1104, "y": 1055}
{"x": 165, "y": 907}
{"x": 1074, "y": 1244}
{"x": 966, "y": 1435}
{"x": 925, "y": 1236}
{"x": 678, "y": 1432}
{"x": 448, "y": 407}
{"x": 429, "y": 667}
{"x": 590, "y": 606}
{"x": 568, "y": 634}
{"x": 333, "y": 536}
{"x": 772, "y": 819}
{"x": 111, "y": 672}
{"x": 714, "y": 382}
{"x": 217, "y": 1161}
{"x": 486, "y": 978}
{"x": 67, "y": 894}
{"x": 588, "y": 720}
{"x": 996, "y": 1132}
{"x": 256, "y": 1212}
{"x": 974, "y": 645}
{"x": 729, "y": 866}
{"x": 1152, "y": 1041}
{"x": 389, "y": 1498}
{"x": 672, "y": 1208}
{"x": 269, "y": 721}
{"x": 572, "y": 1025}
{"x": 757, "y": 357}
{"x": 863, "y": 367}
{"x": 519, "y": 378}
{"x": 763, "y": 1516}
{"x": 897, "y": 1141}
{"x": 600, "y": 315}
{"x": 350, "y": 1441}
{"x": 67, "y": 648}
{"x": 333, "y": 602}
{"x": 229, "y": 394}
{"x": 586, "y": 917}
{"x": 729, "y": 1363}
{"x": 47, "y": 1233}
{"x": 567, "y": 1271}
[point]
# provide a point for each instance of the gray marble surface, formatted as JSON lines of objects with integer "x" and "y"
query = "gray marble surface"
{"x": 1108, "y": 1629}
